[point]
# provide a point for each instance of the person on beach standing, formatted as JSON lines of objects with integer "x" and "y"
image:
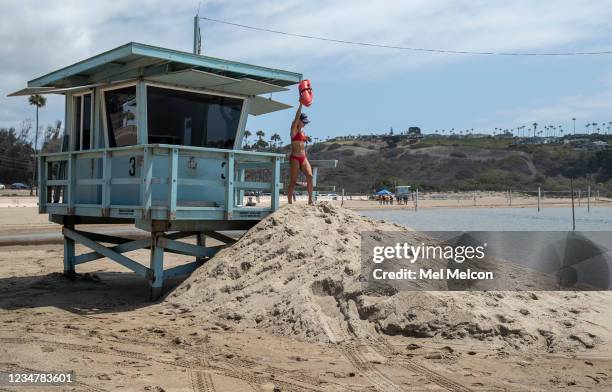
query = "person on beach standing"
{"x": 297, "y": 160}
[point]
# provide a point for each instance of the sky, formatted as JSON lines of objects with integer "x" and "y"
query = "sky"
{"x": 356, "y": 89}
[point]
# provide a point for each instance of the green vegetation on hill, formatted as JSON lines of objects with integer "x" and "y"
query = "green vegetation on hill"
{"x": 461, "y": 164}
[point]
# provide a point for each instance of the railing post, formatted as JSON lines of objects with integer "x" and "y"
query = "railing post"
{"x": 42, "y": 185}
{"x": 172, "y": 182}
{"x": 146, "y": 188}
{"x": 106, "y": 182}
{"x": 241, "y": 177}
{"x": 275, "y": 191}
{"x": 71, "y": 191}
{"x": 229, "y": 187}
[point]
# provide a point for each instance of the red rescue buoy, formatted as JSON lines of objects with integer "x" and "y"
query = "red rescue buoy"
{"x": 305, "y": 92}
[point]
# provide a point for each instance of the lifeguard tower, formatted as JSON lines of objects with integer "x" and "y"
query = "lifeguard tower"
{"x": 154, "y": 138}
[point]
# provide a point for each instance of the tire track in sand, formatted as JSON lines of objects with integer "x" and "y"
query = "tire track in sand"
{"x": 255, "y": 381}
{"x": 345, "y": 343}
{"x": 383, "y": 348}
{"x": 201, "y": 381}
{"x": 378, "y": 379}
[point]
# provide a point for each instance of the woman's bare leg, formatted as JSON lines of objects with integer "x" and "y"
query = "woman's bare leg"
{"x": 307, "y": 170}
{"x": 294, "y": 170}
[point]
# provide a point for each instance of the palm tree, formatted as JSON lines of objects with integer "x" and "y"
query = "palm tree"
{"x": 594, "y": 125}
{"x": 275, "y": 138}
{"x": 535, "y": 127}
{"x": 574, "y": 120}
{"x": 39, "y": 101}
{"x": 247, "y": 134}
{"x": 260, "y": 134}
{"x": 587, "y": 128}
{"x": 261, "y": 143}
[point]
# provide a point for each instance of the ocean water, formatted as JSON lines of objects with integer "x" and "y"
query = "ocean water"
{"x": 498, "y": 219}
{"x": 588, "y": 251}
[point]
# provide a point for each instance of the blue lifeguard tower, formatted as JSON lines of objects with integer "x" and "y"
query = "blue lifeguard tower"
{"x": 153, "y": 138}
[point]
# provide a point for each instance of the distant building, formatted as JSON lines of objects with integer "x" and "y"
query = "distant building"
{"x": 599, "y": 145}
{"x": 551, "y": 140}
{"x": 414, "y": 132}
{"x": 576, "y": 140}
{"x": 584, "y": 143}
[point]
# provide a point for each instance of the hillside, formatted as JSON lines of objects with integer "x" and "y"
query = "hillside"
{"x": 448, "y": 164}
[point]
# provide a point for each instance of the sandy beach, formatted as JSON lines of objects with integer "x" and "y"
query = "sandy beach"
{"x": 275, "y": 313}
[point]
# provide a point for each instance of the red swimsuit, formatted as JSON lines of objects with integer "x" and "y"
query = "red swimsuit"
{"x": 298, "y": 137}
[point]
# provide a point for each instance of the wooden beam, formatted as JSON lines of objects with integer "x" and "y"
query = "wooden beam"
{"x": 119, "y": 258}
{"x": 123, "y": 248}
{"x": 220, "y": 237}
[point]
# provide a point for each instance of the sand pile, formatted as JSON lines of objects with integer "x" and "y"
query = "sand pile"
{"x": 297, "y": 273}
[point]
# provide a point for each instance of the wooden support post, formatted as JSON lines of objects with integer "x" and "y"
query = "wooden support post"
{"x": 539, "y": 197}
{"x": 157, "y": 266}
{"x": 200, "y": 241}
{"x": 275, "y": 192}
{"x": 416, "y": 200}
{"x": 42, "y": 185}
{"x": 69, "y": 256}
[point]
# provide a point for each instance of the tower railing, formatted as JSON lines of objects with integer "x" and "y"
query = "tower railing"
{"x": 63, "y": 188}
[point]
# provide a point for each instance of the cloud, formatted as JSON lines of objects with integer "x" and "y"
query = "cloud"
{"x": 471, "y": 25}
{"x": 39, "y": 37}
{"x": 585, "y": 108}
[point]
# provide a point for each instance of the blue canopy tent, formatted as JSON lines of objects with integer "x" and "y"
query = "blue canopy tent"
{"x": 383, "y": 192}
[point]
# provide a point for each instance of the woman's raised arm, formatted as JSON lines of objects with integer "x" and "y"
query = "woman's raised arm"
{"x": 298, "y": 112}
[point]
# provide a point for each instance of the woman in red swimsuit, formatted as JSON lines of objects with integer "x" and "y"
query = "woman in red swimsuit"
{"x": 297, "y": 159}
